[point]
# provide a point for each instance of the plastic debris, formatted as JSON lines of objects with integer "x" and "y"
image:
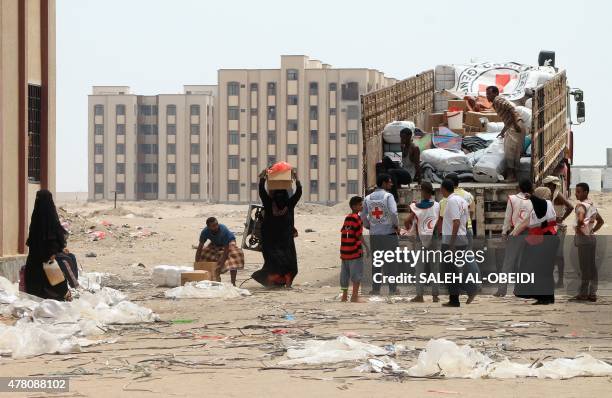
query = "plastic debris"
{"x": 290, "y": 317}
{"x": 91, "y": 254}
{"x": 91, "y": 281}
{"x": 331, "y": 351}
{"x": 379, "y": 365}
{"x": 97, "y": 235}
{"x": 169, "y": 275}
{"x": 206, "y": 289}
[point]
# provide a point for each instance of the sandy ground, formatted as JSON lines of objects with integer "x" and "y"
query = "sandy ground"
{"x": 229, "y": 347}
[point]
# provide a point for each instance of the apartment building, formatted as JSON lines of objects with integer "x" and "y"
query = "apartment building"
{"x": 27, "y": 120}
{"x": 306, "y": 113}
{"x": 151, "y": 147}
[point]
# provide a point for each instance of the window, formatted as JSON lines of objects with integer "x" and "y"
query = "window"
{"x": 171, "y": 149}
{"x": 313, "y": 88}
{"x": 233, "y": 162}
{"x": 332, "y": 136}
{"x": 99, "y": 188}
{"x": 171, "y": 188}
{"x": 233, "y": 113}
{"x": 195, "y": 129}
{"x": 253, "y": 111}
{"x": 147, "y": 129}
{"x": 314, "y": 136}
{"x": 332, "y": 111}
{"x": 233, "y": 88}
{"x": 351, "y": 136}
{"x": 120, "y": 129}
{"x": 314, "y": 186}
{"x": 171, "y": 110}
{"x": 292, "y": 149}
{"x": 99, "y": 149}
{"x": 98, "y": 129}
{"x": 145, "y": 168}
{"x": 120, "y": 168}
{"x": 171, "y": 129}
{"x": 233, "y": 188}
{"x": 271, "y": 160}
{"x": 271, "y": 113}
{"x": 120, "y": 149}
{"x": 350, "y": 91}
{"x": 194, "y": 110}
{"x": 352, "y": 162}
{"x": 147, "y": 187}
{"x": 253, "y": 86}
{"x": 195, "y": 188}
{"x": 271, "y": 88}
{"x": 314, "y": 112}
{"x": 99, "y": 168}
{"x": 292, "y": 125}
{"x": 271, "y": 137}
{"x": 254, "y": 161}
{"x": 147, "y": 149}
{"x": 332, "y": 161}
{"x": 292, "y": 74}
{"x": 120, "y": 187}
{"x": 332, "y": 186}
{"x": 314, "y": 162}
{"x": 292, "y": 100}
{"x": 147, "y": 110}
{"x": 333, "y": 87}
{"x": 352, "y": 112}
{"x": 98, "y": 109}
{"x": 195, "y": 149}
{"x": 195, "y": 168}
{"x": 351, "y": 188}
{"x": 171, "y": 168}
{"x": 254, "y": 186}
{"x": 233, "y": 138}
{"x": 254, "y": 136}
{"x": 120, "y": 110}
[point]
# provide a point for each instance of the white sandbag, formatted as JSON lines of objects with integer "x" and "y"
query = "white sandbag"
{"x": 391, "y": 132}
{"x": 529, "y": 103}
{"x": 494, "y": 127}
{"x": 540, "y": 76}
{"x": 475, "y": 156}
{"x": 206, "y": 289}
{"x": 445, "y": 160}
{"x": 491, "y": 165}
{"x": 331, "y": 351}
{"x": 525, "y": 114}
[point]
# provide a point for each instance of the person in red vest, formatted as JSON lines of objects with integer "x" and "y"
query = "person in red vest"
{"x": 351, "y": 250}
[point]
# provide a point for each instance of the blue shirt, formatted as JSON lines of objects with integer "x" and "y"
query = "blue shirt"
{"x": 222, "y": 238}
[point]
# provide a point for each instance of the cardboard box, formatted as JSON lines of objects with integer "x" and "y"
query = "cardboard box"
{"x": 459, "y": 131}
{"x": 281, "y": 180}
{"x": 459, "y": 104}
{"x": 437, "y": 120}
{"x": 473, "y": 118}
{"x": 211, "y": 267}
{"x": 194, "y": 276}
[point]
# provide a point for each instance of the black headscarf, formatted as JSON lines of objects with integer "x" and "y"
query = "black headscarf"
{"x": 46, "y": 235}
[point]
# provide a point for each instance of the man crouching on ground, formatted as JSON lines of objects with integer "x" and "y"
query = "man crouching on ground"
{"x": 222, "y": 248}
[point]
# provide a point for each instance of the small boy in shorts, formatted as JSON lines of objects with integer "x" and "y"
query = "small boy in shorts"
{"x": 351, "y": 251}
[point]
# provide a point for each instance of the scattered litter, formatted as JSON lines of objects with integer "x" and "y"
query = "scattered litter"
{"x": 308, "y": 230}
{"x": 130, "y": 215}
{"x": 331, "y": 351}
{"x": 290, "y": 317}
{"x": 520, "y": 325}
{"x": 97, "y": 235}
{"x": 376, "y": 299}
{"x": 379, "y": 365}
{"x": 206, "y": 289}
{"x": 106, "y": 223}
{"x": 449, "y": 392}
{"x": 457, "y": 329}
{"x": 351, "y": 334}
{"x": 91, "y": 254}
{"x": 91, "y": 281}
{"x": 279, "y": 331}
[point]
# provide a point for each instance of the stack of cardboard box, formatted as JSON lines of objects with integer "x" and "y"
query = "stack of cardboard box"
{"x": 472, "y": 121}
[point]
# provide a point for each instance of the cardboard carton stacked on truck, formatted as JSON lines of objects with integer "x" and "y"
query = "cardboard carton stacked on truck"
{"x": 434, "y": 102}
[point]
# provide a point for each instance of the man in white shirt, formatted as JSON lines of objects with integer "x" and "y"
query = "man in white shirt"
{"x": 454, "y": 237}
{"x": 518, "y": 208}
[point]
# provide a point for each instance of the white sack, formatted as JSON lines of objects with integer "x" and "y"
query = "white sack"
{"x": 206, "y": 289}
{"x": 445, "y": 160}
{"x": 492, "y": 164}
{"x": 391, "y": 132}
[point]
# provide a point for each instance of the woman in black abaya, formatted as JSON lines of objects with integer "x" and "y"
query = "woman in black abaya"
{"x": 46, "y": 238}
{"x": 538, "y": 257}
{"x": 278, "y": 246}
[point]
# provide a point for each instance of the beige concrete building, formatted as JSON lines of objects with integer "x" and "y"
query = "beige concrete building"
{"x": 27, "y": 118}
{"x": 151, "y": 147}
{"x": 306, "y": 113}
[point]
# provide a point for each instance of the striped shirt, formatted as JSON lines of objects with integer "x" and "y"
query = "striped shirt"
{"x": 506, "y": 111}
{"x": 350, "y": 242}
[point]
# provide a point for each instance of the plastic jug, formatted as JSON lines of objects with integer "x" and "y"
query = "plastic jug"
{"x": 54, "y": 272}
{"x": 455, "y": 119}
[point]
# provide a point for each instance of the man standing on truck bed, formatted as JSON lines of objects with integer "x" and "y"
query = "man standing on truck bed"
{"x": 513, "y": 132}
{"x": 411, "y": 155}
{"x": 380, "y": 216}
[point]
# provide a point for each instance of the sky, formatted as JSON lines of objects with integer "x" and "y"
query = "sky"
{"x": 157, "y": 46}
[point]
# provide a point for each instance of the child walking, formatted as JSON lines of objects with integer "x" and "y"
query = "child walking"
{"x": 351, "y": 252}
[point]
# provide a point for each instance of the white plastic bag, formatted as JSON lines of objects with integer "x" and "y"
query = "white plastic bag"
{"x": 391, "y": 132}
{"x": 491, "y": 165}
{"x": 331, "y": 351}
{"x": 206, "y": 289}
{"x": 445, "y": 160}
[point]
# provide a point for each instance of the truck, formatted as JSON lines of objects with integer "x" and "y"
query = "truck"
{"x": 415, "y": 98}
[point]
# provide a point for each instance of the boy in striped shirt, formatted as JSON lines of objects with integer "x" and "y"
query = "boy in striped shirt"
{"x": 351, "y": 251}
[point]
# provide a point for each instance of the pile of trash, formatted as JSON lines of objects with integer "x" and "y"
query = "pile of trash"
{"x": 49, "y": 326}
{"x": 169, "y": 275}
{"x": 206, "y": 289}
{"x": 439, "y": 358}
